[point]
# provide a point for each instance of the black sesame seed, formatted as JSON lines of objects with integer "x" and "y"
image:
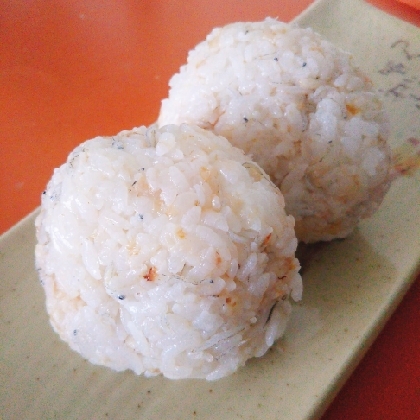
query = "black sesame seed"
{"x": 304, "y": 64}
{"x": 121, "y": 297}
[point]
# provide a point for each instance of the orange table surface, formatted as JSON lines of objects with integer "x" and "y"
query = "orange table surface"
{"x": 71, "y": 70}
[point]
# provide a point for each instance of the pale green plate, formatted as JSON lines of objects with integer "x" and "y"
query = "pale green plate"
{"x": 350, "y": 287}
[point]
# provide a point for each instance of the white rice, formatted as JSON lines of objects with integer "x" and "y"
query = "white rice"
{"x": 166, "y": 251}
{"x": 301, "y": 109}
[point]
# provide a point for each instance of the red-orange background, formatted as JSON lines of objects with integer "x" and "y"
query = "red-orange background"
{"x": 71, "y": 70}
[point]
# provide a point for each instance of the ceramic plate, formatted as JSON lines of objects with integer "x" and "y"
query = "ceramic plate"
{"x": 351, "y": 286}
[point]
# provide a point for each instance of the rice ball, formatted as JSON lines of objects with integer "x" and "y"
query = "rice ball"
{"x": 301, "y": 109}
{"x": 166, "y": 251}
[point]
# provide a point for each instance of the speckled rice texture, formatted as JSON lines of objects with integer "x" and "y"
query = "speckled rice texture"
{"x": 166, "y": 252}
{"x": 301, "y": 109}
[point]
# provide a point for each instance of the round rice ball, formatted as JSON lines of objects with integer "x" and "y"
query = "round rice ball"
{"x": 300, "y": 108}
{"x": 166, "y": 251}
